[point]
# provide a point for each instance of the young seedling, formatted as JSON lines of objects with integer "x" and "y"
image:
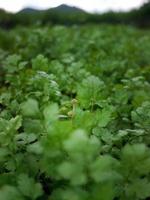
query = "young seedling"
{"x": 71, "y": 113}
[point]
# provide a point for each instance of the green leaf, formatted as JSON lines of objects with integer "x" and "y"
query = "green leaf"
{"x": 3, "y": 154}
{"x": 40, "y": 63}
{"x": 51, "y": 115}
{"x": 138, "y": 189}
{"x": 16, "y": 122}
{"x": 33, "y": 126}
{"x": 103, "y": 169}
{"x": 79, "y": 145}
{"x": 105, "y": 191}
{"x": 89, "y": 91}
{"x": 35, "y": 148}
{"x": 30, "y": 108}
{"x": 73, "y": 193}
{"x": 28, "y": 187}
{"x": 137, "y": 151}
{"x": 11, "y": 63}
{"x": 10, "y": 193}
{"x": 105, "y": 116}
{"x": 73, "y": 172}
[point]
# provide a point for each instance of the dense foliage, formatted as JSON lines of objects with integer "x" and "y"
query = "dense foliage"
{"x": 75, "y": 113}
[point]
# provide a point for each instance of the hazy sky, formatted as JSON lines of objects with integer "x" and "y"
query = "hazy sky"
{"x": 89, "y": 5}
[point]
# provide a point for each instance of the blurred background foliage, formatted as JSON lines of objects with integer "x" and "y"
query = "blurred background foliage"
{"x": 66, "y": 15}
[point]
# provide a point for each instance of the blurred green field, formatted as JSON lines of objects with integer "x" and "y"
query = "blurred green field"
{"x": 75, "y": 113}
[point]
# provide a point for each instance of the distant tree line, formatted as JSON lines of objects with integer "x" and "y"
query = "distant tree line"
{"x": 138, "y": 17}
